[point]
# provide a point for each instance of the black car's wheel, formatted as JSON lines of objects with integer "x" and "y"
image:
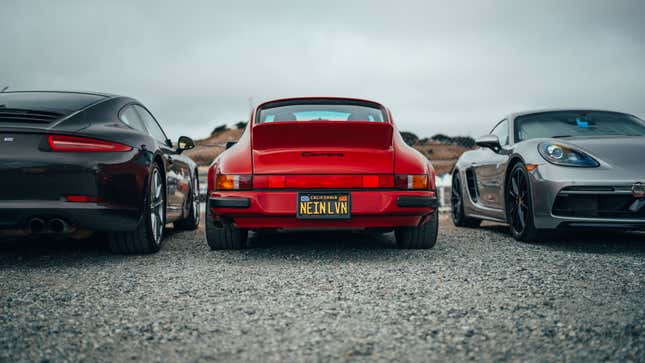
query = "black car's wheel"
{"x": 420, "y": 237}
{"x": 226, "y": 237}
{"x": 148, "y": 235}
{"x": 457, "y": 201}
{"x": 191, "y": 223}
{"x": 519, "y": 205}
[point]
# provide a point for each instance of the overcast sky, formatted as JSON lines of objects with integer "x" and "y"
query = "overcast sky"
{"x": 453, "y": 67}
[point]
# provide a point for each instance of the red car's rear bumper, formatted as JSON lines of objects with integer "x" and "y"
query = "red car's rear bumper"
{"x": 277, "y": 209}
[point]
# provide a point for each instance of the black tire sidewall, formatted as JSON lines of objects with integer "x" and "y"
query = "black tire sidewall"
{"x": 460, "y": 221}
{"x": 529, "y": 231}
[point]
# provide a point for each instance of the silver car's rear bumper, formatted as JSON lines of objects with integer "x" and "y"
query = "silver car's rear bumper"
{"x": 582, "y": 189}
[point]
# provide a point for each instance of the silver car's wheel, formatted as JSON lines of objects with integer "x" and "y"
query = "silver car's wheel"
{"x": 519, "y": 205}
{"x": 457, "y": 203}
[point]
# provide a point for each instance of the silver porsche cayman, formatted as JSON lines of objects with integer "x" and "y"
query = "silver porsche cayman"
{"x": 545, "y": 170}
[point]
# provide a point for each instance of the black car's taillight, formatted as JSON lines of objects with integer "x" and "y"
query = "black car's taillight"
{"x": 63, "y": 143}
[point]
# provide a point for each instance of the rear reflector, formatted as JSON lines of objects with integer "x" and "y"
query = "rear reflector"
{"x": 83, "y": 144}
{"x": 412, "y": 182}
{"x": 81, "y": 199}
{"x": 322, "y": 181}
{"x": 234, "y": 182}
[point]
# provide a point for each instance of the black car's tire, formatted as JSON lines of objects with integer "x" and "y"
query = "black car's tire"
{"x": 519, "y": 205}
{"x": 457, "y": 202}
{"x": 148, "y": 235}
{"x": 191, "y": 222}
{"x": 226, "y": 237}
{"x": 420, "y": 237}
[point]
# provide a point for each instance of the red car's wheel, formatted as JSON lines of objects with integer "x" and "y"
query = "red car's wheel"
{"x": 420, "y": 237}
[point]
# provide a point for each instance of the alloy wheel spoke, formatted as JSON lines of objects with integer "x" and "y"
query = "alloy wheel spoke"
{"x": 515, "y": 188}
{"x": 154, "y": 225}
{"x": 520, "y": 214}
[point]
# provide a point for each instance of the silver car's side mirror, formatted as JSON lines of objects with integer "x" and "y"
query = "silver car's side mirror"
{"x": 489, "y": 141}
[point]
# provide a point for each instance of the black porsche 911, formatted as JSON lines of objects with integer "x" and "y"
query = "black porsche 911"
{"x": 72, "y": 163}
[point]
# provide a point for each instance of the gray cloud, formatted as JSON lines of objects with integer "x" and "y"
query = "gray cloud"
{"x": 449, "y": 67}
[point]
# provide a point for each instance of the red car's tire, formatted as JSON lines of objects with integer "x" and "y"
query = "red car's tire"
{"x": 420, "y": 237}
{"x": 227, "y": 237}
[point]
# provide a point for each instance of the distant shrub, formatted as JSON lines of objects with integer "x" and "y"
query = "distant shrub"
{"x": 409, "y": 137}
{"x": 219, "y": 129}
{"x": 441, "y": 138}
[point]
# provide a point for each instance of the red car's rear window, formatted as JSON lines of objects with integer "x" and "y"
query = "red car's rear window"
{"x": 321, "y": 110}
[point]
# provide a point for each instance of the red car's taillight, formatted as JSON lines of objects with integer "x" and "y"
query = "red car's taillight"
{"x": 83, "y": 144}
{"x": 233, "y": 182}
{"x": 412, "y": 182}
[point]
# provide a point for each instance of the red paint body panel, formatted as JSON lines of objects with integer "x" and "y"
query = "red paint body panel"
{"x": 321, "y": 148}
{"x": 323, "y": 160}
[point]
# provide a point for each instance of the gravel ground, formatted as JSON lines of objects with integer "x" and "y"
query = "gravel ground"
{"x": 478, "y": 295}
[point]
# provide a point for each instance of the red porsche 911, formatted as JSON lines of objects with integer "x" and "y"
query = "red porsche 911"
{"x": 321, "y": 163}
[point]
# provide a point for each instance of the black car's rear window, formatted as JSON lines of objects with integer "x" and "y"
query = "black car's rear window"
{"x": 321, "y": 109}
{"x": 54, "y": 102}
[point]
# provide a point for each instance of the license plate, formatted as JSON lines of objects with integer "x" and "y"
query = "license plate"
{"x": 324, "y": 205}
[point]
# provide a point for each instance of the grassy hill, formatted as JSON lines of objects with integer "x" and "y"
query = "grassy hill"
{"x": 443, "y": 155}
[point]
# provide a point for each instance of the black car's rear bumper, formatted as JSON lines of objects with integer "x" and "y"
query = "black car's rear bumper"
{"x": 39, "y": 184}
{"x": 17, "y": 214}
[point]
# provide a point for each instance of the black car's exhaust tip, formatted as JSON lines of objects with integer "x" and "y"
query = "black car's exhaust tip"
{"x": 58, "y": 225}
{"x": 36, "y": 225}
